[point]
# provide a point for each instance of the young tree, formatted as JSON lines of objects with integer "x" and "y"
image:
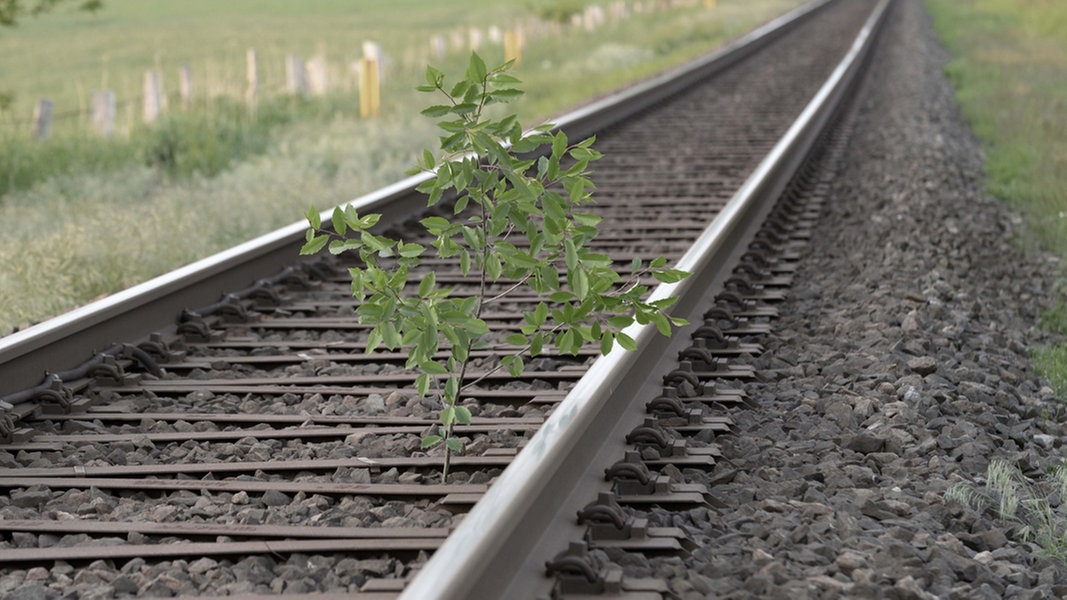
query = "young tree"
{"x": 518, "y": 224}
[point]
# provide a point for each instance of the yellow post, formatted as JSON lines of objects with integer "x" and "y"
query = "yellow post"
{"x": 370, "y": 92}
{"x": 709, "y": 3}
{"x": 513, "y": 46}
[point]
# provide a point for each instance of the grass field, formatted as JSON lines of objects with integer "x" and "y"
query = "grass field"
{"x": 1009, "y": 68}
{"x": 87, "y": 216}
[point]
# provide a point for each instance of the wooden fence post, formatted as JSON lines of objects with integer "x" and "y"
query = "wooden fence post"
{"x": 104, "y": 112}
{"x": 437, "y": 47}
{"x": 42, "y": 119}
{"x": 185, "y": 85}
{"x": 296, "y": 78}
{"x": 373, "y": 51}
{"x": 252, "y": 76}
{"x": 370, "y": 92}
{"x": 475, "y": 35}
{"x": 316, "y": 74}
{"x": 513, "y": 45}
{"x": 153, "y": 96}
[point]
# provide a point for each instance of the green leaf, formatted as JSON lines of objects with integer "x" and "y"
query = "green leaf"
{"x": 476, "y": 70}
{"x": 658, "y": 262}
{"x": 463, "y": 415}
{"x": 537, "y": 343}
{"x": 314, "y": 244}
{"x": 435, "y": 111}
{"x": 626, "y": 341}
{"x": 570, "y": 255}
{"x": 662, "y": 324}
{"x": 513, "y": 364}
{"x": 411, "y": 250}
{"x": 493, "y": 268}
{"x": 540, "y": 313}
{"x": 587, "y": 219}
{"x": 451, "y": 388}
{"x": 476, "y": 327}
{"x": 559, "y": 145}
{"x": 427, "y": 284}
{"x": 422, "y": 384}
{"x": 506, "y": 95}
{"x": 517, "y": 339}
{"x": 427, "y": 158}
{"x": 338, "y": 218}
{"x": 430, "y": 441}
{"x": 314, "y": 219}
{"x": 607, "y": 341}
{"x": 464, "y": 262}
{"x": 670, "y": 275}
{"x": 436, "y": 225}
{"x": 464, "y": 108}
{"x": 561, "y": 296}
{"x": 432, "y": 367}
{"x": 579, "y": 281}
{"x": 447, "y": 416}
{"x": 454, "y": 444}
{"x": 620, "y": 321}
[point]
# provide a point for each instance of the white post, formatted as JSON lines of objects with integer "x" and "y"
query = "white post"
{"x": 185, "y": 85}
{"x": 104, "y": 112}
{"x": 295, "y": 76}
{"x": 42, "y": 119}
{"x": 252, "y": 77}
{"x": 153, "y": 96}
{"x": 317, "y": 78}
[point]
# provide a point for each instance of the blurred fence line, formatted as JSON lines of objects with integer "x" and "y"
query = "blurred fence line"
{"x": 106, "y": 115}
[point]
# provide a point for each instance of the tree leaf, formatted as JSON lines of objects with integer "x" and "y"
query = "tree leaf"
{"x": 626, "y": 341}
{"x": 513, "y": 364}
{"x": 454, "y": 444}
{"x": 430, "y": 441}
{"x": 435, "y": 111}
{"x": 314, "y": 244}
{"x": 579, "y": 281}
{"x": 463, "y": 415}
{"x": 447, "y": 416}
{"x": 314, "y": 219}
{"x": 422, "y": 384}
{"x": 411, "y": 250}
{"x": 476, "y": 70}
{"x": 339, "y": 224}
{"x": 432, "y": 367}
{"x": 607, "y": 341}
{"x": 427, "y": 284}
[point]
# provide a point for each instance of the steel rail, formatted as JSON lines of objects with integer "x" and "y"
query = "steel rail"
{"x": 500, "y": 548}
{"x": 68, "y": 340}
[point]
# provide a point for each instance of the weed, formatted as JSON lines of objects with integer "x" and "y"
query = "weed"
{"x": 1035, "y": 507}
{"x": 518, "y": 226}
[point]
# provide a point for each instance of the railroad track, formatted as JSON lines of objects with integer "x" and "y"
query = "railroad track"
{"x": 252, "y": 447}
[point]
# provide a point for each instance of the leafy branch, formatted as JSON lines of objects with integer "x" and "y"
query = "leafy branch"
{"x": 518, "y": 223}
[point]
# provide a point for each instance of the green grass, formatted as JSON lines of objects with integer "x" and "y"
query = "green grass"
{"x": 1009, "y": 69}
{"x": 1034, "y": 507}
{"x": 206, "y": 179}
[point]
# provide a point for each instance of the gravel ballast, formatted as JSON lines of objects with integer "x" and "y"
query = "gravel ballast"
{"x": 899, "y": 367}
